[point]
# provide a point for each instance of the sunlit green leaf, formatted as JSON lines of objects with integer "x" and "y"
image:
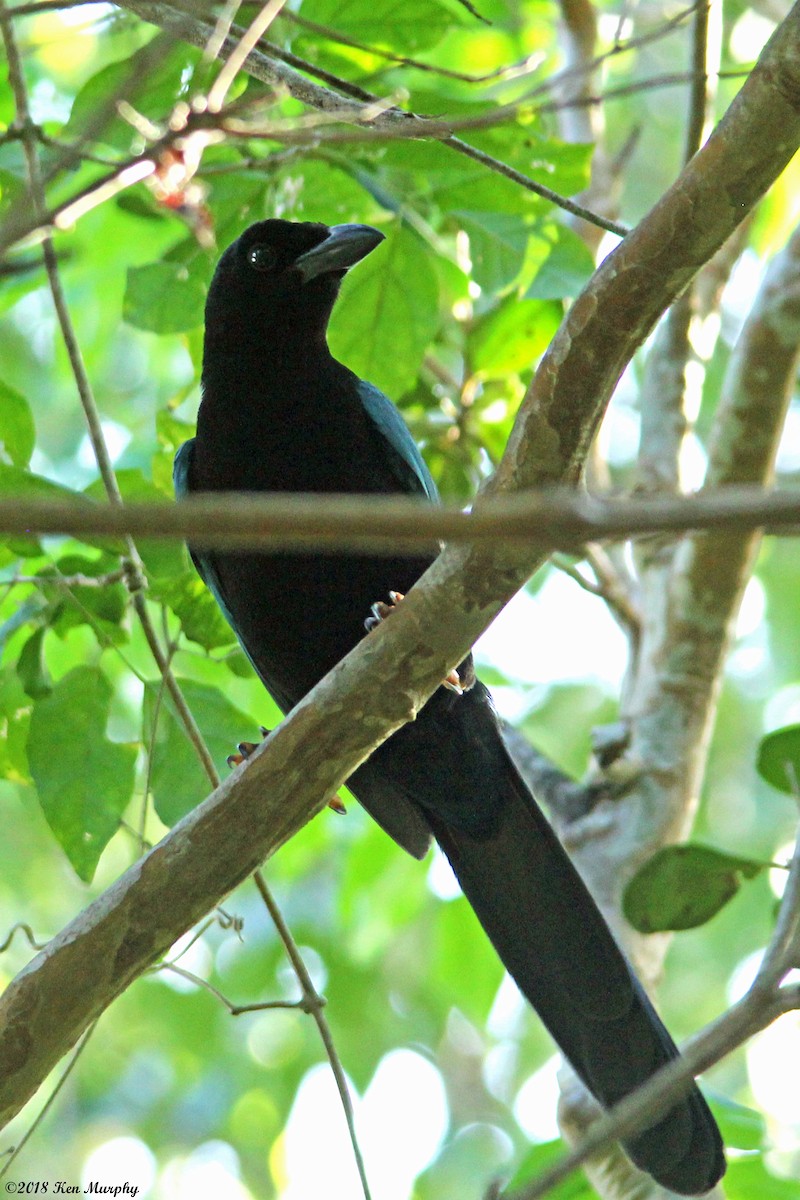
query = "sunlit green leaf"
{"x": 512, "y": 336}
{"x": 405, "y": 27}
{"x": 102, "y": 607}
{"x": 170, "y": 430}
{"x": 160, "y": 557}
{"x": 151, "y": 91}
{"x": 539, "y": 1159}
{"x": 387, "y": 313}
{"x": 466, "y": 965}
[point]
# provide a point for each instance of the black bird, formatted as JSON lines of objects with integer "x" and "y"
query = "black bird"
{"x": 280, "y": 414}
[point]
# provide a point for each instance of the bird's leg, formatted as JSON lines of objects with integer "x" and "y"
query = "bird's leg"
{"x": 246, "y": 749}
{"x": 381, "y": 610}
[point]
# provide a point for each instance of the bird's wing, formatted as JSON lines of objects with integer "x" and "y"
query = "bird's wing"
{"x": 204, "y": 564}
{"x": 206, "y": 568}
{"x": 180, "y": 479}
{"x": 407, "y": 464}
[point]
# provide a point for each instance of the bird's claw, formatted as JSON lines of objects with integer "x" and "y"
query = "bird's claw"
{"x": 246, "y": 750}
{"x": 452, "y": 682}
{"x": 381, "y": 610}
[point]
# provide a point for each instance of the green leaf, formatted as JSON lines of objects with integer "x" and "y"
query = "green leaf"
{"x": 429, "y": 177}
{"x": 159, "y": 557}
{"x": 404, "y": 27}
{"x": 14, "y": 725}
{"x": 239, "y": 664}
{"x": 778, "y": 759}
{"x": 195, "y": 608}
{"x": 30, "y": 610}
{"x": 749, "y": 1179}
{"x": 681, "y": 887}
{"x": 17, "y": 431}
{"x": 177, "y": 780}
{"x": 138, "y": 202}
{"x": 84, "y": 781}
{"x": 16, "y": 483}
{"x": 170, "y": 430}
{"x": 566, "y": 268}
{"x": 512, "y": 337}
{"x": 541, "y": 1158}
{"x": 163, "y": 297}
{"x": 562, "y": 166}
{"x": 466, "y": 966}
{"x": 152, "y": 92}
{"x": 497, "y": 244}
{"x": 388, "y": 313}
{"x": 740, "y": 1126}
{"x": 32, "y": 668}
{"x": 103, "y": 608}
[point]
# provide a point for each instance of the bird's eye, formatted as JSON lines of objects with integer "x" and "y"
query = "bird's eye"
{"x": 262, "y": 257}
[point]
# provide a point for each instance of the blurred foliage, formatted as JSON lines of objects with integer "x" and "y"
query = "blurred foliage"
{"x": 450, "y": 320}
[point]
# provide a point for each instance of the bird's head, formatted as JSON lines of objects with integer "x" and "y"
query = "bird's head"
{"x": 283, "y": 276}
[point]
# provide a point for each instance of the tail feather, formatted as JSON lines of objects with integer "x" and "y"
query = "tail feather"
{"x": 573, "y": 973}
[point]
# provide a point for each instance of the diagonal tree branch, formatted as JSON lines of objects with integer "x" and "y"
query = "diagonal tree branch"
{"x": 691, "y": 600}
{"x": 385, "y": 680}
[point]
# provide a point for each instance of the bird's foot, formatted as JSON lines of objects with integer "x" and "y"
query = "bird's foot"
{"x": 380, "y": 610}
{"x": 247, "y": 749}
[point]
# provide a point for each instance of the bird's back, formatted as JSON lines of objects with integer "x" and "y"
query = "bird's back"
{"x": 298, "y": 614}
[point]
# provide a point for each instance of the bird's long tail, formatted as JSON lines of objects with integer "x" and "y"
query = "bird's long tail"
{"x": 571, "y": 970}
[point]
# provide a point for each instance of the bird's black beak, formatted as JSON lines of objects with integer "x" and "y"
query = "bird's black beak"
{"x": 344, "y": 246}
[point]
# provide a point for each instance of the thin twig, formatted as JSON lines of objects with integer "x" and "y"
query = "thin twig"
{"x": 530, "y": 185}
{"x": 616, "y": 590}
{"x": 699, "y": 91}
{"x": 392, "y": 123}
{"x": 235, "y": 1010}
{"x": 21, "y": 927}
{"x": 150, "y": 751}
{"x": 70, "y": 581}
{"x": 180, "y": 23}
{"x": 49, "y": 1102}
{"x": 247, "y": 42}
{"x": 315, "y": 1006}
